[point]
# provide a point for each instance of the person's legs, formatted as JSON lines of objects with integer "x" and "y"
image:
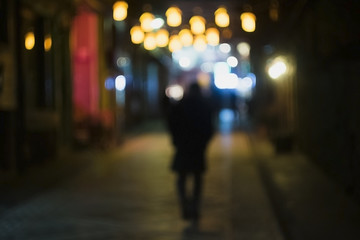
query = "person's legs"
{"x": 181, "y": 189}
{"x": 196, "y": 197}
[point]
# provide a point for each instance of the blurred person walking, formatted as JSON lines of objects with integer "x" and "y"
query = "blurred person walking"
{"x": 191, "y": 128}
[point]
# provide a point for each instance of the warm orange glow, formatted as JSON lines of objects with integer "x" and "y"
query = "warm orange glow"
{"x": 145, "y": 21}
{"x": 248, "y": 21}
{"x": 29, "y": 40}
{"x": 150, "y": 41}
{"x": 222, "y": 17}
{"x": 197, "y": 25}
{"x": 175, "y": 43}
{"x": 274, "y": 10}
{"x": 212, "y": 36}
{"x": 186, "y": 37}
{"x": 120, "y": 10}
{"x": 173, "y": 17}
{"x": 47, "y": 43}
{"x": 200, "y": 43}
{"x": 203, "y": 79}
{"x": 137, "y": 35}
{"x": 162, "y": 38}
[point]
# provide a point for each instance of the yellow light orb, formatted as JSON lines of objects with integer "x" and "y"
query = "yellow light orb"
{"x": 174, "y": 43}
{"x": 173, "y": 17}
{"x": 145, "y": 21}
{"x": 200, "y": 43}
{"x": 137, "y": 35}
{"x": 47, "y": 43}
{"x": 120, "y": 10}
{"x": 197, "y": 25}
{"x": 29, "y": 40}
{"x": 248, "y": 21}
{"x": 222, "y": 18}
{"x": 150, "y": 41}
{"x": 186, "y": 37}
{"x": 162, "y": 38}
{"x": 212, "y": 36}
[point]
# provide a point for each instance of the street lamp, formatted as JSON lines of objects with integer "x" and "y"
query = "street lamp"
{"x": 186, "y": 37}
{"x": 29, "y": 40}
{"x": 120, "y": 10}
{"x": 150, "y": 41}
{"x": 162, "y": 38}
{"x": 173, "y": 17}
{"x": 222, "y": 17}
{"x": 277, "y": 68}
{"x": 197, "y": 25}
{"x": 212, "y": 36}
{"x": 146, "y": 20}
{"x": 248, "y": 21}
{"x": 200, "y": 43}
{"x": 175, "y": 43}
{"x": 137, "y": 35}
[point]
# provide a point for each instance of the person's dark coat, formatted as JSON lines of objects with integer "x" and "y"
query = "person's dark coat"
{"x": 190, "y": 123}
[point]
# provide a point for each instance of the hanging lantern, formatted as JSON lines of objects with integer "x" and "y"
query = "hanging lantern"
{"x": 137, "y": 35}
{"x": 47, "y": 43}
{"x": 186, "y": 37}
{"x": 174, "y": 43}
{"x": 146, "y": 21}
{"x": 200, "y": 43}
{"x": 197, "y": 25}
{"x": 248, "y": 21}
{"x": 222, "y": 17}
{"x": 162, "y": 38}
{"x": 120, "y": 10}
{"x": 29, "y": 40}
{"x": 243, "y": 49}
{"x": 173, "y": 16}
{"x": 212, "y": 36}
{"x": 150, "y": 41}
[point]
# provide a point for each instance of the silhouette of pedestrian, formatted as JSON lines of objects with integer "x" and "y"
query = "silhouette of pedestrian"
{"x": 190, "y": 124}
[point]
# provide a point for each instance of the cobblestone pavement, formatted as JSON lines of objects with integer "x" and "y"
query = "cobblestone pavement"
{"x": 127, "y": 194}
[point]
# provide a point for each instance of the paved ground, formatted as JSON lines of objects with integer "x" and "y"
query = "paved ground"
{"x": 250, "y": 193}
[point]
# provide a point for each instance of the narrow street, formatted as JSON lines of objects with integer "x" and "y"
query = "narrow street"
{"x": 128, "y": 193}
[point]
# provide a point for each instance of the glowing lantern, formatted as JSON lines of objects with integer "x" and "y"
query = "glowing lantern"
{"x": 212, "y": 36}
{"x": 150, "y": 41}
{"x": 146, "y": 21}
{"x": 243, "y": 49}
{"x": 174, "y": 43}
{"x": 200, "y": 43}
{"x": 120, "y": 10}
{"x": 222, "y": 17}
{"x": 186, "y": 37}
{"x": 162, "y": 38}
{"x": 197, "y": 25}
{"x": 248, "y": 21}
{"x": 173, "y": 17}
{"x": 29, "y": 40}
{"x": 137, "y": 35}
{"x": 47, "y": 43}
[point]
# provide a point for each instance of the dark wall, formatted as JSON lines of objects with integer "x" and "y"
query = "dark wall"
{"x": 328, "y": 59}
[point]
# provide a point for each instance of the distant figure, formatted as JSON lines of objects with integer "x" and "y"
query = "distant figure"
{"x": 190, "y": 124}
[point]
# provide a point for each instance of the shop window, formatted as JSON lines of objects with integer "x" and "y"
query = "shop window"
{"x": 39, "y": 63}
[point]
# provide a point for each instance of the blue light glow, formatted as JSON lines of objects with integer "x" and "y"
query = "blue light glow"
{"x": 109, "y": 83}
